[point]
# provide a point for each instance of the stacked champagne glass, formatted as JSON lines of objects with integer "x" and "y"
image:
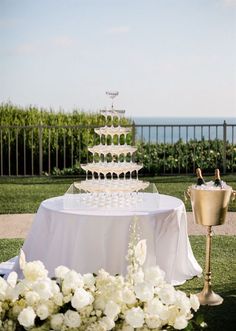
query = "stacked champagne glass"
{"x": 112, "y": 176}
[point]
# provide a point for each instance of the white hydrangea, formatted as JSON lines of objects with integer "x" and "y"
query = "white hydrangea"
{"x": 128, "y": 296}
{"x": 154, "y": 275}
{"x": 72, "y": 281}
{"x": 89, "y": 281}
{"x": 112, "y": 310}
{"x": 61, "y": 271}
{"x": 43, "y": 288}
{"x": 32, "y": 298}
{"x": 34, "y": 270}
{"x": 144, "y": 291}
{"x": 154, "y": 307}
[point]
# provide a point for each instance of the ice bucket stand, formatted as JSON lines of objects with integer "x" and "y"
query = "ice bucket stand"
{"x": 209, "y": 209}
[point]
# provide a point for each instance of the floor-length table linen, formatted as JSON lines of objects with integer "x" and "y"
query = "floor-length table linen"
{"x": 88, "y": 240}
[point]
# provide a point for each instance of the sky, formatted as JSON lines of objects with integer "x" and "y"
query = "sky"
{"x": 173, "y": 58}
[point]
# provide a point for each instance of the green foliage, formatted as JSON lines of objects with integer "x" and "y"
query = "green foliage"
{"x": 64, "y": 139}
{"x": 182, "y": 157}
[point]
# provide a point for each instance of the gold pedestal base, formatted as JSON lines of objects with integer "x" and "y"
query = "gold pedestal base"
{"x": 209, "y": 298}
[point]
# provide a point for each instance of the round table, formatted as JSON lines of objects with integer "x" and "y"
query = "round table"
{"x": 88, "y": 239}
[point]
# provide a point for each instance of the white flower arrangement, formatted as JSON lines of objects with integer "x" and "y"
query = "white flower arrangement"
{"x": 140, "y": 301}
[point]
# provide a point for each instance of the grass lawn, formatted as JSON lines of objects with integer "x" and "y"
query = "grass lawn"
{"x": 24, "y": 195}
{"x": 218, "y": 318}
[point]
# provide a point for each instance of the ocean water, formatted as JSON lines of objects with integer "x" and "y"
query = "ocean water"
{"x": 172, "y": 129}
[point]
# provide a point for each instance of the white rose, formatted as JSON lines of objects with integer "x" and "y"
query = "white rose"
{"x": 57, "y": 321}
{"x": 61, "y": 271}
{"x": 34, "y": 270}
{"x": 128, "y": 296}
{"x": 180, "y": 322}
{"x": 12, "y": 279}
{"x": 43, "y": 288}
{"x": 144, "y": 291}
{"x": 81, "y": 298}
{"x": 72, "y": 281}
{"x": 89, "y": 280}
{"x": 111, "y": 309}
{"x": 154, "y": 275}
{"x": 140, "y": 251}
{"x": 154, "y": 307}
{"x": 107, "y": 322}
{"x": 194, "y": 302}
{"x": 26, "y": 317}
{"x": 72, "y": 319}
{"x": 153, "y": 322}
{"x": 42, "y": 311}
{"x": 135, "y": 317}
{"x": 183, "y": 302}
{"x": 167, "y": 294}
{"x": 32, "y": 298}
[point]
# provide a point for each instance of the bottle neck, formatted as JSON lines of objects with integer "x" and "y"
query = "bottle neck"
{"x": 200, "y": 180}
{"x": 218, "y": 181}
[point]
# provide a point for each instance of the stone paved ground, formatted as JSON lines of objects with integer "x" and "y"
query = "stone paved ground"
{"x": 18, "y": 225}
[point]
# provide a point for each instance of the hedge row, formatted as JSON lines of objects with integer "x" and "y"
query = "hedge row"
{"x": 66, "y": 148}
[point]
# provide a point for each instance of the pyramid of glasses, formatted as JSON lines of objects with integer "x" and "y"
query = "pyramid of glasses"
{"x": 108, "y": 173}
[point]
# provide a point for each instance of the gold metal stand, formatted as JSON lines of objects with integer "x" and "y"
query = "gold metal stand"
{"x": 207, "y": 296}
{"x": 209, "y": 209}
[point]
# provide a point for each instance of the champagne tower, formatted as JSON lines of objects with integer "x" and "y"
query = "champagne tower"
{"x": 112, "y": 169}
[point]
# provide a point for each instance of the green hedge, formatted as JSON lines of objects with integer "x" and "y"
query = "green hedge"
{"x": 180, "y": 157}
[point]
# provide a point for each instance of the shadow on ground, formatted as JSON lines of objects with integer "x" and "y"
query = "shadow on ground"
{"x": 221, "y": 317}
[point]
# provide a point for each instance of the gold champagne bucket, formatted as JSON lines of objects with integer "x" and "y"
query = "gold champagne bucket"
{"x": 210, "y": 206}
{"x": 209, "y": 209}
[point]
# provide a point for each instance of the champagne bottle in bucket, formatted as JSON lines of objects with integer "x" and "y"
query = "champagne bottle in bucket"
{"x": 200, "y": 180}
{"x": 218, "y": 182}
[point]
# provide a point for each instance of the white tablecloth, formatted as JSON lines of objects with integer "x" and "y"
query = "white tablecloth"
{"x": 87, "y": 241}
